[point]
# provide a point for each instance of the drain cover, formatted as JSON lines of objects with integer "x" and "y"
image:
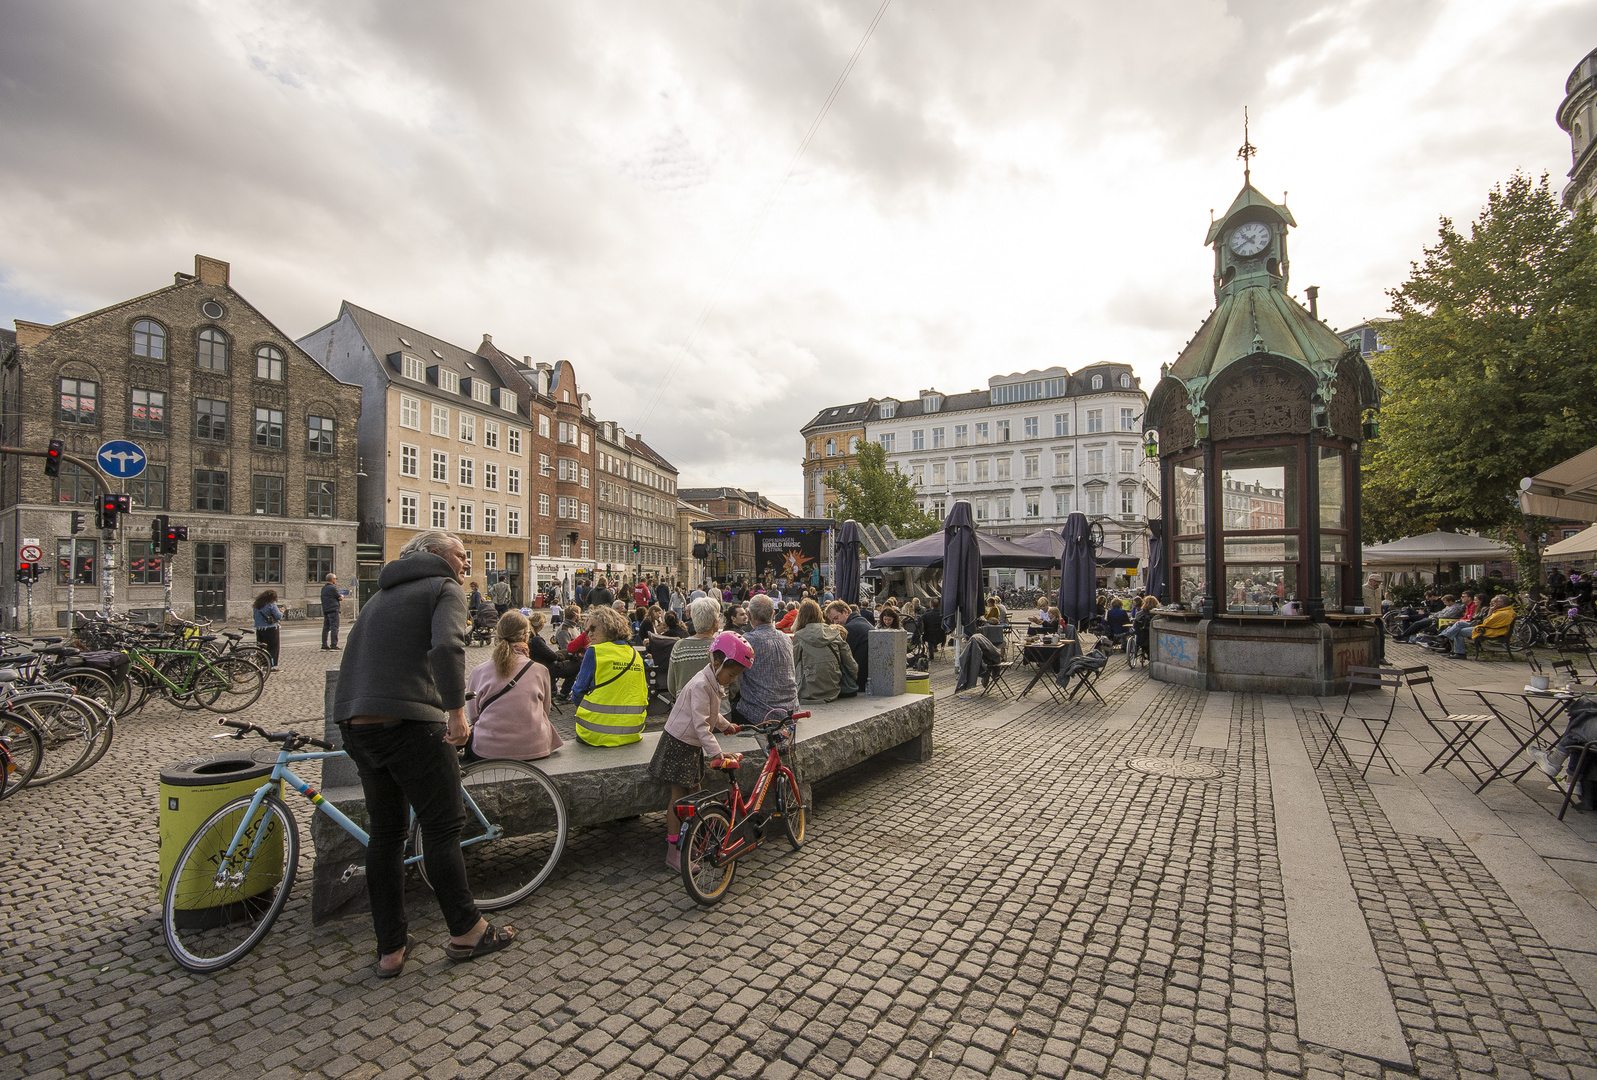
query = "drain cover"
{"x": 1180, "y": 770}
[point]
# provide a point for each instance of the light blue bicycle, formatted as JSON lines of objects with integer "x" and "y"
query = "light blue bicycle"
{"x": 234, "y": 875}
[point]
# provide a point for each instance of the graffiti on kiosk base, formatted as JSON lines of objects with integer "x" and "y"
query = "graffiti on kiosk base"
{"x": 1350, "y": 657}
{"x": 1178, "y": 649}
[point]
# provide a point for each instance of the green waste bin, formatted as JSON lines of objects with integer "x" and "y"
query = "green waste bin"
{"x": 191, "y": 791}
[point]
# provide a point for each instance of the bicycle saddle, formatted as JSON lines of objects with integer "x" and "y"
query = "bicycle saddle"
{"x": 208, "y": 637}
{"x": 8, "y": 675}
{"x": 56, "y": 650}
{"x": 50, "y": 640}
{"x": 233, "y": 635}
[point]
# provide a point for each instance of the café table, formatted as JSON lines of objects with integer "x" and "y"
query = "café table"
{"x": 1046, "y": 658}
{"x": 1543, "y": 709}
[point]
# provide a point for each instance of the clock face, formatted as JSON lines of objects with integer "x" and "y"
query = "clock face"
{"x": 1250, "y": 239}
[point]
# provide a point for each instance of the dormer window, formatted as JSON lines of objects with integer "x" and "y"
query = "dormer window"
{"x": 889, "y": 409}
{"x": 1097, "y": 382}
{"x": 481, "y": 391}
{"x": 931, "y": 402}
{"x": 448, "y": 381}
{"x": 1125, "y": 380}
{"x": 413, "y": 368}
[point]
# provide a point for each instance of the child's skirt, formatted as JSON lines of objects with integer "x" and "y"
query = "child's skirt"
{"x": 676, "y": 762}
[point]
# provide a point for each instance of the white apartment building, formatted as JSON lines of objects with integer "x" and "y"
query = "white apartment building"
{"x": 1029, "y": 450}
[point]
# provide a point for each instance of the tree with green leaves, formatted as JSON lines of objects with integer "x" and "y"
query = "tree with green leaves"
{"x": 1490, "y": 374}
{"x": 873, "y": 494}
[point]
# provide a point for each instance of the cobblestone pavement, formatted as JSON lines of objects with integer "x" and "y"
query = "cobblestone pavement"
{"x": 1023, "y": 904}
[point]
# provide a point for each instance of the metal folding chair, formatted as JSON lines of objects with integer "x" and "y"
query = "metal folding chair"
{"x": 998, "y": 679}
{"x": 1456, "y": 730}
{"x": 1375, "y": 727}
{"x": 1080, "y": 674}
{"x": 1575, "y": 771}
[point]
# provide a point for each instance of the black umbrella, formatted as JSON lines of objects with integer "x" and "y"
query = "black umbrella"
{"x": 1158, "y": 562}
{"x": 848, "y": 545}
{"x": 961, "y": 569}
{"x": 1077, "y": 578}
{"x": 996, "y": 554}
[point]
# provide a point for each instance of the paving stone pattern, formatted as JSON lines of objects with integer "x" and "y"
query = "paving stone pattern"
{"x": 1021, "y": 905}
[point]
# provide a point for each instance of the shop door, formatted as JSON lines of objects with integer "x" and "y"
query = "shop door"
{"x": 210, "y": 581}
{"x": 513, "y": 575}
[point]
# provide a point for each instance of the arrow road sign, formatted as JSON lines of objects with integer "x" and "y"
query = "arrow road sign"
{"x": 120, "y": 458}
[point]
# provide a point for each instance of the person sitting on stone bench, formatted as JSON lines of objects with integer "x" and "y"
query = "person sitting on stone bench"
{"x": 769, "y": 684}
{"x": 611, "y": 692}
{"x": 821, "y": 657}
{"x": 690, "y": 654}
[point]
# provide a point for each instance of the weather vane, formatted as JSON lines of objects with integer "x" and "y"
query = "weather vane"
{"x": 1248, "y": 150}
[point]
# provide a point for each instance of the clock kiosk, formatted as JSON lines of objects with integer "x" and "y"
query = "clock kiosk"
{"x": 1258, "y": 429}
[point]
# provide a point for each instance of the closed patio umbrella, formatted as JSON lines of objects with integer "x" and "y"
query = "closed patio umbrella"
{"x": 1077, "y": 567}
{"x": 848, "y": 545}
{"x": 1158, "y": 562}
{"x": 961, "y": 570}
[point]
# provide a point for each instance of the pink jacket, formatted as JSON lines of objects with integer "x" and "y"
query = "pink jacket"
{"x": 517, "y": 724}
{"x": 697, "y": 711}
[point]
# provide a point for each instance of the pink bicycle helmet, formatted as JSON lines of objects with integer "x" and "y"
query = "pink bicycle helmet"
{"x": 734, "y": 647}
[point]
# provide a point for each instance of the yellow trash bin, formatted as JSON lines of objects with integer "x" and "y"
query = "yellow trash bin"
{"x": 918, "y": 682}
{"x": 191, "y": 791}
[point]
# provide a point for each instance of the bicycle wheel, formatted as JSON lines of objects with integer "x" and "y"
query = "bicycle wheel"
{"x": 90, "y": 682}
{"x": 790, "y": 808}
{"x": 1525, "y": 633}
{"x": 216, "y": 908}
{"x": 702, "y": 838}
{"x": 66, "y": 727}
{"x": 21, "y": 750}
{"x": 514, "y": 836}
{"x": 229, "y": 684}
{"x": 255, "y": 654}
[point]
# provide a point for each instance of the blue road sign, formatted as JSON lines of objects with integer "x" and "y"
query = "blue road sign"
{"x": 120, "y": 458}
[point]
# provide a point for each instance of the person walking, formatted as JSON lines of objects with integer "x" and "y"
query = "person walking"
{"x": 400, "y": 706}
{"x": 499, "y": 595}
{"x": 267, "y": 617}
{"x": 332, "y": 600}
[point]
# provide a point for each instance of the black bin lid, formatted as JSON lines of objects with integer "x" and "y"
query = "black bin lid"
{"x": 215, "y": 769}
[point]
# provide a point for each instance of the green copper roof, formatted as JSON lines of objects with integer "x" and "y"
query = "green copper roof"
{"x": 1258, "y": 320}
{"x": 1249, "y": 196}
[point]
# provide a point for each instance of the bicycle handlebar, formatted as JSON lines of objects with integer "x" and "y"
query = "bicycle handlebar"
{"x": 244, "y": 727}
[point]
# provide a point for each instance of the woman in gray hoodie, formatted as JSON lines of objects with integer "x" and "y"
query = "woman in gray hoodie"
{"x": 821, "y": 656}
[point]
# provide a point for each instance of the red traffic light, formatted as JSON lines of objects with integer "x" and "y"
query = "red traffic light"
{"x": 52, "y": 457}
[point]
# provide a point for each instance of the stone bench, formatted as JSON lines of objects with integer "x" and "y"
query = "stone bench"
{"x": 610, "y": 784}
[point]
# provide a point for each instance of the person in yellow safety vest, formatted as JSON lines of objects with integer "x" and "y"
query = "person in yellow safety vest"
{"x": 611, "y": 692}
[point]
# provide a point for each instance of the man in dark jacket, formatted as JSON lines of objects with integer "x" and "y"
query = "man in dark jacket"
{"x": 400, "y": 705}
{"x": 330, "y": 605}
{"x": 858, "y": 628}
{"x": 600, "y": 596}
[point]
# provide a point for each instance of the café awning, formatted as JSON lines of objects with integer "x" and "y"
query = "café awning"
{"x": 1435, "y": 548}
{"x": 1567, "y": 490}
{"x": 1583, "y": 545}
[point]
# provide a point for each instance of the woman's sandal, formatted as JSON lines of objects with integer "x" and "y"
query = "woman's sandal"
{"x": 493, "y": 939}
{"x": 395, "y": 972}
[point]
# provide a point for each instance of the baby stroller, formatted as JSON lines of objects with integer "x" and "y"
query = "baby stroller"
{"x": 482, "y": 625}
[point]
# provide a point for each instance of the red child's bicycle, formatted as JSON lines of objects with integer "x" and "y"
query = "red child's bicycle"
{"x": 718, "y": 827}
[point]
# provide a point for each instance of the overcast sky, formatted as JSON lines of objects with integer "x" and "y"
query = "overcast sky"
{"x": 999, "y": 186}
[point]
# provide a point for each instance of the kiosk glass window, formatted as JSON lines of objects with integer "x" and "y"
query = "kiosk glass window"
{"x": 1187, "y": 480}
{"x": 1260, "y": 495}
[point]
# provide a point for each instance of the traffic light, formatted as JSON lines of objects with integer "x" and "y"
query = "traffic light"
{"x": 28, "y": 572}
{"x": 52, "y": 457}
{"x": 634, "y": 547}
{"x": 157, "y": 532}
{"x": 77, "y": 522}
{"x": 170, "y": 535}
{"x": 110, "y": 507}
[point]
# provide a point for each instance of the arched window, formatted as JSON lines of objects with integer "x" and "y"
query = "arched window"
{"x": 1125, "y": 381}
{"x": 269, "y": 363}
{"x": 149, "y": 339}
{"x": 853, "y": 445}
{"x": 1097, "y": 382}
{"x": 831, "y": 447}
{"x": 213, "y": 349}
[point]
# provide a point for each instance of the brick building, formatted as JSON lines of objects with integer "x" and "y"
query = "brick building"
{"x": 831, "y": 444}
{"x": 249, "y": 442}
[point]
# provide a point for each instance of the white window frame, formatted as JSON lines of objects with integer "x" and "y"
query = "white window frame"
{"x": 412, "y": 368}
{"x": 512, "y": 521}
{"x": 438, "y": 508}
{"x": 468, "y": 428}
{"x": 468, "y": 472}
{"x": 490, "y": 435}
{"x": 481, "y": 391}
{"x": 440, "y": 467}
{"x": 513, "y": 441}
{"x": 409, "y": 460}
{"x": 448, "y": 381}
{"x": 441, "y": 421}
{"x": 512, "y": 481}
{"x": 409, "y": 412}
{"x": 490, "y": 519}
{"x": 1094, "y": 419}
{"x": 490, "y": 476}
{"x": 411, "y": 501}
{"x": 543, "y": 505}
{"x": 1061, "y": 425}
{"x": 466, "y": 514}
{"x": 543, "y": 546}
{"x": 543, "y": 427}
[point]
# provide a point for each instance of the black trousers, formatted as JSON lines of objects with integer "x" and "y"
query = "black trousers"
{"x": 271, "y": 639}
{"x": 405, "y": 764}
{"x": 330, "y": 630}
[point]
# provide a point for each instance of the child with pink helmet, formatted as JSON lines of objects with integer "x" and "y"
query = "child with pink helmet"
{"x": 689, "y": 735}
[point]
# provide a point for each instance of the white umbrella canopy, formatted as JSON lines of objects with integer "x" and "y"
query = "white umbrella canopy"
{"x": 1433, "y": 548}
{"x": 1582, "y": 545}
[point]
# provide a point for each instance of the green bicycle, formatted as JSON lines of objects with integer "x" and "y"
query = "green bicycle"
{"x": 191, "y": 680}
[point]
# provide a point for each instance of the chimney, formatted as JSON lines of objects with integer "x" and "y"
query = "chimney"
{"x": 210, "y": 271}
{"x": 1313, "y": 293}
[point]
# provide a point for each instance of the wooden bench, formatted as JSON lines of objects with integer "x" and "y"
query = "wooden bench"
{"x": 613, "y": 783}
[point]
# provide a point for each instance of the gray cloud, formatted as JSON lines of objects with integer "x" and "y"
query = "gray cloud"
{"x": 999, "y": 187}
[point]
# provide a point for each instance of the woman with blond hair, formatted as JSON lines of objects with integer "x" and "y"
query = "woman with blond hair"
{"x": 611, "y": 692}
{"x": 821, "y": 657}
{"x": 509, "y": 711}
